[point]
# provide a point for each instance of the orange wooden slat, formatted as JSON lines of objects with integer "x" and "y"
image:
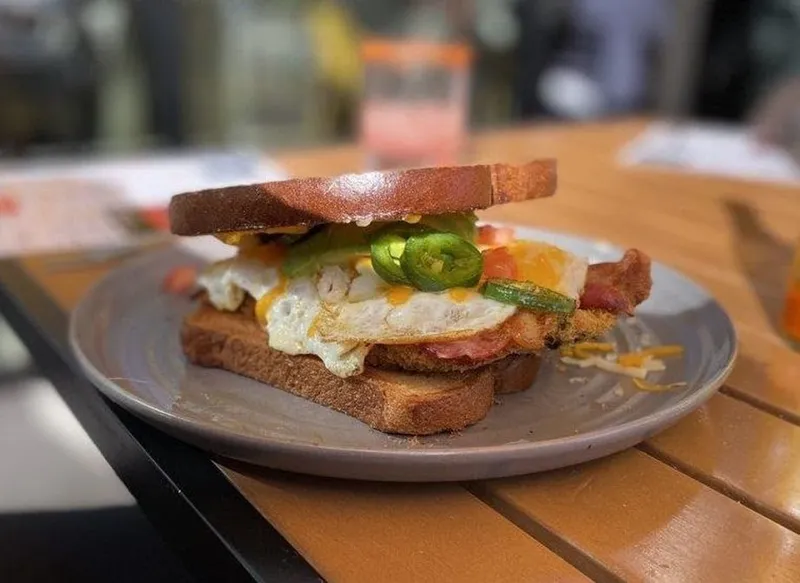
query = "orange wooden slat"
{"x": 354, "y": 532}
{"x": 645, "y": 521}
{"x": 66, "y": 288}
{"x": 739, "y": 450}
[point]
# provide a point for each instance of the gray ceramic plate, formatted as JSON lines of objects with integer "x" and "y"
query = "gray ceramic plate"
{"x": 125, "y": 335}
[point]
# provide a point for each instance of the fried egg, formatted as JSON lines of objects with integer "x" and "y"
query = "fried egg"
{"x": 550, "y": 267}
{"x": 376, "y": 313}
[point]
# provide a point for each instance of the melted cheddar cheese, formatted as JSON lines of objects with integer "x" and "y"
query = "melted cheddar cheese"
{"x": 264, "y": 304}
{"x": 270, "y": 255}
{"x": 459, "y": 294}
{"x": 399, "y": 295}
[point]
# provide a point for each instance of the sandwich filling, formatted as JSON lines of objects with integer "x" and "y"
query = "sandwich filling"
{"x": 439, "y": 285}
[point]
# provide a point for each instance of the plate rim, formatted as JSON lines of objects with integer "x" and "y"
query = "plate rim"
{"x": 661, "y": 418}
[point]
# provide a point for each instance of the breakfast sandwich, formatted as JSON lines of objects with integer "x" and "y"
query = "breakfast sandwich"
{"x": 379, "y": 294}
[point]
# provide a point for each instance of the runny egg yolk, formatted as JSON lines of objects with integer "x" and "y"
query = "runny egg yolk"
{"x": 265, "y": 302}
{"x": 399, "y": 295}
{"x": 459, "y": 294}
{"x": 539, "y": 263}
{"x": 271, "y": 254}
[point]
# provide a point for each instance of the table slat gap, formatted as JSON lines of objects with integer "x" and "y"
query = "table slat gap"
{"x": 399, "y": 532}
{"x": 738, "y": 450}
{"x": 633, "y": 514}
{"x": 719, "y": 485}
{"x": 582, "y": 561}
{"x": 753, "y": 400}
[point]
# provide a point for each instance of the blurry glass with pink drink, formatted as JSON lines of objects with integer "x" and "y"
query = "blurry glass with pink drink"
{"x": 415, "y": 104}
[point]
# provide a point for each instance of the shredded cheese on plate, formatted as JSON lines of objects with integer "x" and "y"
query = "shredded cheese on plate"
{"x": 636, "y": 364}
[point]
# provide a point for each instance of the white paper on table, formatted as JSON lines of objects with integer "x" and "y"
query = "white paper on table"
{"x": 70, "y": 205}
{"x": 723, "y": 150}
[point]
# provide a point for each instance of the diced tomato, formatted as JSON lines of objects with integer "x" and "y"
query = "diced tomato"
{"x": 499, "y": 263}
{"x": 495, "y": 236}
{"x": 479, "y": 347}
{"x": 180, "y": 280}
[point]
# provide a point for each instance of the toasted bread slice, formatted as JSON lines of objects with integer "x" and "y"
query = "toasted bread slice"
{"x": 372, "y": 196}
{"x": 392, "y": 402}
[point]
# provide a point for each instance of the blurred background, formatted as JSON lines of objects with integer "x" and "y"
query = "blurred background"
{"x": 96, "y": 76}
{"x": 123, "y": 74}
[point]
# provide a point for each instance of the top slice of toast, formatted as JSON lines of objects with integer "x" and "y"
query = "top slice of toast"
{"x": 367, "y": 197}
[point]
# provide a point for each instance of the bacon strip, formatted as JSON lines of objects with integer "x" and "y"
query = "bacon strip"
{"x": 479, "y": 347}
{"x": 619, "y": 286}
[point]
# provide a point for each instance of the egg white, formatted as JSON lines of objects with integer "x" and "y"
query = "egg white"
{"x": 424, "y": 317}
{"x": 227, "y": 281}
{"x": 290, "y": 322}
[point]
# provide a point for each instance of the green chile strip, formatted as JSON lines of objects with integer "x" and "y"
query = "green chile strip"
{"x": 528, "y": 295}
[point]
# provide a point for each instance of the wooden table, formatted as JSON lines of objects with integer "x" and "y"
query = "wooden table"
{"x": 715, "y": 498}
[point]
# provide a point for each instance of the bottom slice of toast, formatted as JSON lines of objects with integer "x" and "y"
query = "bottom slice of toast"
{"x": 389, "y": 401}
